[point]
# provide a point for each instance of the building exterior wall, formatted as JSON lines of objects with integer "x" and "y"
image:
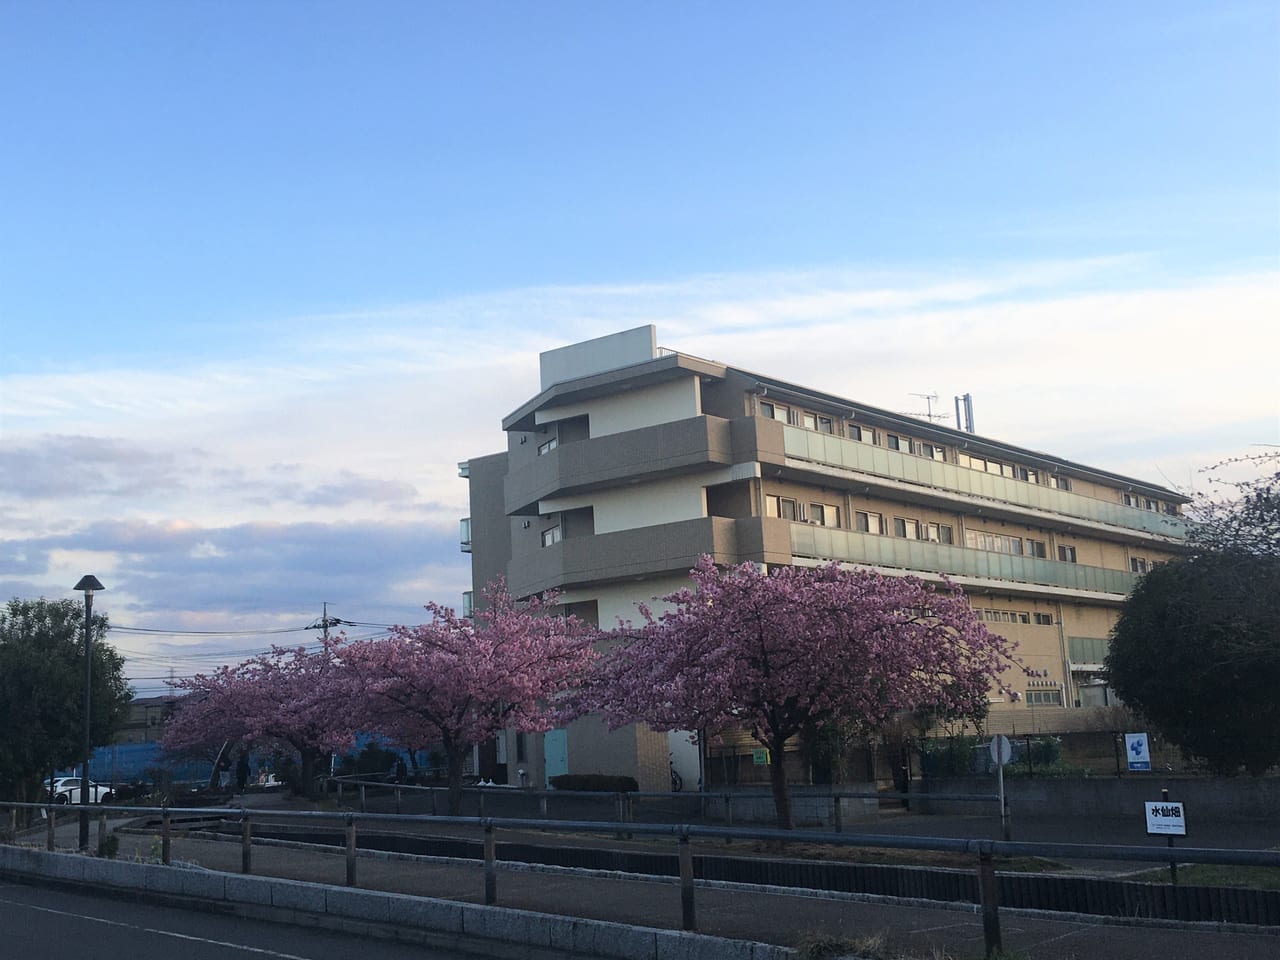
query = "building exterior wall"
{"x": 631, "y": 464}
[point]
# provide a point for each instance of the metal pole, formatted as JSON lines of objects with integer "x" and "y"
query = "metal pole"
{"x": 53, "y": 816}
{"x": 246, "y": 844}
{"x": 88, "y": 679}
{"x": 490, "y": 867}
{"x": 688, "y": 917}
{"x": 166, "y": 842}
{"x": 351, "y": 850}
{"x": 1173, "y": 862}
{"x": 987, "y": 891}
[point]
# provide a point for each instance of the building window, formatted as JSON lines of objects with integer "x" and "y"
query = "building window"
{"x": 521, "y": 749}
{"x": 1139, "y": 565}
{"x": 551, "y": 535}
{"x": 1044, "y": 619}
{"x": 783, "y": 507}
{"x": 861, "y": 434}
{"x": 906, "y": 527}
{"x": 1060, "y": 483}
{"x": 824, "y": 514}
{"x": 938, "y": 532}
{"x": 775, "y": 411}
{"x": 868, "y": 522}
{"x": 815, "y": 421}
{"x": 895, "y": 442}
{"x": 1066, "y": 554}
{"x": 1029, "y": 475}
{"x": 1151, "y": 505}
{"x": 995, "y": 542}
{"x": 1044, "y": 698}
{"x": 932, "y": 451}
{"x": 548, "y": 446}
{"x": 1171, "y": 509}
{"x": 1037, "y": 548}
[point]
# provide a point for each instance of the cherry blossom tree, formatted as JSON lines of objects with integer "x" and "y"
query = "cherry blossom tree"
{"x": 291, "y": 696}
{"x": 774, "y": 653}
{"x": 462, "y": 681}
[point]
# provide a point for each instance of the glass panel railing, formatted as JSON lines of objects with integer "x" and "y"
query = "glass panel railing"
{"x": 1087, "y": 649}
{"x": 864, "y": 458}
{"x": 464, "y": 534}
{"x": 826, "y": 543}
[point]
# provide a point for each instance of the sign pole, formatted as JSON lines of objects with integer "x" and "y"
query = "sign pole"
{"x": 1173, "y": 861}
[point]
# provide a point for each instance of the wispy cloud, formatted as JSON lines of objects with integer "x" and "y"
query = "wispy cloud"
{"x": 260, "y": 485}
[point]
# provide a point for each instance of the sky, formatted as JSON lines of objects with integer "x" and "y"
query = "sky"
{"x": 269, "y": 271}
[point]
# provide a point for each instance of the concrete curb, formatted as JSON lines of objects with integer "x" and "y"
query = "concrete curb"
{"x": 365, "y": 910}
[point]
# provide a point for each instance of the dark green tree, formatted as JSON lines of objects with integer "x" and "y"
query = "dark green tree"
{"x": 1196, "y": 650}
{"x": 42, "y": 691}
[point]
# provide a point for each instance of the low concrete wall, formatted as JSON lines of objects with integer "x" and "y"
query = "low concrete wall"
{"x": 1225, "y": 800}
{"x": 810, "y": 807}
{"x": 500, "y": 925}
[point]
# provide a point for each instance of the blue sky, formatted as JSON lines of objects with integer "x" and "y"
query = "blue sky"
{"x": 269, "y": 270}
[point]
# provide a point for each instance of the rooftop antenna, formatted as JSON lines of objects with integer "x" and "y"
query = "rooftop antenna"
{"x": 929, "y": 400}
{"x": 968, "y": 413}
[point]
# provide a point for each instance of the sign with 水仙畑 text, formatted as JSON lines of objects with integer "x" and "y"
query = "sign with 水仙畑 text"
{"x": 1166, "y": 818}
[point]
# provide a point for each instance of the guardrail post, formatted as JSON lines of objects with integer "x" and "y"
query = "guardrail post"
{"x": 363, "y": 808}
{"x": 246, "y": 843}
{"x": 688, "y": 917}
{"x": 432, "y": 791}
{"x": 166, "y": 842}
{"x": 482, "y": 802}
{"x": 728, "y": 815}
{"x": 351, "y": 849}
{"x": 987, "y": 893}
{"x": 397, "y": 800}
{"x": 51, "y": 810}
{"x": 102, "y": 830}
{"x": 837, "y": 812}
{"x": 1006, "y": 819}
{"x": 490, "y": 867}
{"x": 339, "y": 793}
{"x": 542, "y": 804}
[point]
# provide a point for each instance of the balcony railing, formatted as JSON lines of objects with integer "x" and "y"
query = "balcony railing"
{"x": 827, "y": 543}
{"x": 464, "y": 534}
{"x": 864, "y": 458}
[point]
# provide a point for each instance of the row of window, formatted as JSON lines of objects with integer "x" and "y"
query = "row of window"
{"x": 822, "y": 514}
{"x": 1017, "y": 616}
{"x": 1148, "y": 503}
{"x": 1044, "y": 698}
{"x": 931, "y": 451}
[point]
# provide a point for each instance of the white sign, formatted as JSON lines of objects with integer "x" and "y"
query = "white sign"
{"x": 1001, "y": 749}
{"x": 1138, "y": 751}
{"x": 1166, "y": 818}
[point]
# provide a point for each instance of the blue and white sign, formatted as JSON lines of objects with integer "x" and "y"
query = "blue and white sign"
{"x": 1138, "y": 751}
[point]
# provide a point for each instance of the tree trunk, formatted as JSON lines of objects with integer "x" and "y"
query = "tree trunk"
{"x": 778, "y": 781}
{"x": 308, "y": 757}
{"x": 453, "y": 757}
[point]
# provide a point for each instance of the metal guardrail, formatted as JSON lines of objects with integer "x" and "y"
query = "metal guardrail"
{"x": 984, "y": 850}
{"x": 624, "y": 802}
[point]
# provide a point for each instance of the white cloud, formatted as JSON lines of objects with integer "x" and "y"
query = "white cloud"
{"x": 357, "y": 427}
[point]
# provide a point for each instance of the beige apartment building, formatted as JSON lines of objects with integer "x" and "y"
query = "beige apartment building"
{"x": 634, "y": 460}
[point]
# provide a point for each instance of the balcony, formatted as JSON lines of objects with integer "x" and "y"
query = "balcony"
{"x": 828, "y": 543}
{"x": 645, "y": 551}
{"x": 822, "y": 448}
{"x": 464, "y": 535}
{"x": 648, "y": 453}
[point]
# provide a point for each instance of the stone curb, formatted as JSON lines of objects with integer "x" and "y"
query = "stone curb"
{"x": 500, "y": 926}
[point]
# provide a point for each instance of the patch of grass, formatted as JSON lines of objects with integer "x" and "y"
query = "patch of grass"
{"x": 821, "y": 946}
{"x": 1214, "y": 875}
{"x": 903, "y": 858}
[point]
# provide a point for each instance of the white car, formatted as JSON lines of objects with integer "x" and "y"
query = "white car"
{"x": 67, "y": 790}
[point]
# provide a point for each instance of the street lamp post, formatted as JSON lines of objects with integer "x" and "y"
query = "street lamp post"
{"x": 88, "y": 584}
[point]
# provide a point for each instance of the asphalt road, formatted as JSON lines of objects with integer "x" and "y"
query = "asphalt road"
{"x": 52, "y": 924}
